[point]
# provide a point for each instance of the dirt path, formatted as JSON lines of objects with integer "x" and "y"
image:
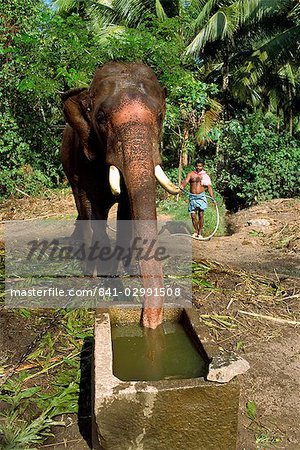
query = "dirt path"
{"x": 255, "y": 269}
{"x": 264, "y": 239}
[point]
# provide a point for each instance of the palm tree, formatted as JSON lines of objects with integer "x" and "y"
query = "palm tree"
{"x": 230, "y": 34}
{"x": 125, "y": 12}
{"x": 270, "y": 75}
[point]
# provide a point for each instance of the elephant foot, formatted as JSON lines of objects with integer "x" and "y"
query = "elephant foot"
{"x": 152, "y": 317}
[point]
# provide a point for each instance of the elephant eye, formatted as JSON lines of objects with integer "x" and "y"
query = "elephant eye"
{"x": 100, "y": 117}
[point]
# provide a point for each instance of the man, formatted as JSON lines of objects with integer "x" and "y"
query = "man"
{"x": 198, "y": 180}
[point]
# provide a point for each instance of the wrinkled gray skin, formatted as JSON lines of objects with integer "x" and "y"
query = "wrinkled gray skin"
{"x": 117, "y": 121}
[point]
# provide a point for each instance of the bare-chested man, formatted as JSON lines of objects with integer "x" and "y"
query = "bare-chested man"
{"x": 198, "y": 180}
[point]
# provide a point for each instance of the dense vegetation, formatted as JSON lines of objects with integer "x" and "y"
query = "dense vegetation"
{"x": 230, "y": 68}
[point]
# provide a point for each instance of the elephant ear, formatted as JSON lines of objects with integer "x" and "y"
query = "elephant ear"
{"x": 77, "y": 107}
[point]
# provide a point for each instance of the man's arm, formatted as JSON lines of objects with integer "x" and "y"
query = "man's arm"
{"x": 186, "y": 181}
{"x": 211, "y": 192}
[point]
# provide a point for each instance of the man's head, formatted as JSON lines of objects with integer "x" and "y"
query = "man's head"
{"x": 199, "y": 165}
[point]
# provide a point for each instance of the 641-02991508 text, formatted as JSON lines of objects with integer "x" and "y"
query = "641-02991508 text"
{"x": 96, "y": 291}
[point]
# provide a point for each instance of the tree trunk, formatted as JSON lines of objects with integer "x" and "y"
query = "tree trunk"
{"x": 225, "y": 82}
{"x": 183, "y": 156}
{"x": 179, "y": 171}
{"x": 185, "y": 159}
{"x": 290, "y": 110}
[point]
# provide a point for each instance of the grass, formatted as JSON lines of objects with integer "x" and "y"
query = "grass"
{"x": 266, "y": 440}
{"x": 21, "y": 429}
{"x": 178, "y": 210}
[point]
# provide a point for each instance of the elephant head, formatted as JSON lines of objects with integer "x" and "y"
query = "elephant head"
{"x": 111, "y": 152}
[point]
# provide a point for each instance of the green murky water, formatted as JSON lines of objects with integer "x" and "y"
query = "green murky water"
{"x": 149, "y": 355}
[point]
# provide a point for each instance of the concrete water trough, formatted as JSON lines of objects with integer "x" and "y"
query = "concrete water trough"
{"x": 185, "y": 413}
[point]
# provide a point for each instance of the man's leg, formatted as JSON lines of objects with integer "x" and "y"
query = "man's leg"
{"x": 201, "y": 221}
{"x": 195, "y": 221}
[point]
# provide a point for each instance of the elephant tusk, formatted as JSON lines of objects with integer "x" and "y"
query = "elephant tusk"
{"x": 165, "y": 182}
{"x": 114, "y": 180}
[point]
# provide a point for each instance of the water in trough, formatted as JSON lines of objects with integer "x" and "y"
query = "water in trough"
{"x": 148, "y": 355}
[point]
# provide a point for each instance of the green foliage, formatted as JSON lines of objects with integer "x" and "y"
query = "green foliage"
{"x": 40, "y": 55}
{"x": 244, "y": 46}
{"x": 17, "y": 161}
{"x": 219, "y": 21}
{"x": 20, "y": 432}
{"x": 256, "y": 163}
{"x": 237, "y": 55}
{"x": 267, "y": 440}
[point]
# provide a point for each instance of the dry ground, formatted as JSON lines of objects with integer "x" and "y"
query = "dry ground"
{"x": 255, "y": 269}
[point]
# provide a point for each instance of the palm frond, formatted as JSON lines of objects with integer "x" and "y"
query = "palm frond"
{"x": 160, "y": 12}
{"x": 222, "y": 24}
{"x": 128, "y": 13}
{"x": 278, "y": 50}
{"x": 250, "y": 11}
{"x": 209, "y": 119}
{"x": 228, "y": 19}
{"x": 246, "y": 82}
{"x": 204, "y": 14}
{"x": 107, "y": 3}
{"x": 274, "y": 55}
{"x": 295, "y": 13}
{"x": 131, "y": 12}
{"x": 274, "y": 98}
{"x": 66, "y": 5}
{"x": 211, "y": 69}
{"x": 286, "y": 73}
{"x": 247, "y": 92}
{"x": 197, "y": 5}
{"x": 245, "y": 9}
{"x": 101, "y": 14}
{"x": 281, "y": 47}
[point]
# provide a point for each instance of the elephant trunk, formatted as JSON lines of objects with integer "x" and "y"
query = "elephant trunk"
{"x": 138, "y": 173}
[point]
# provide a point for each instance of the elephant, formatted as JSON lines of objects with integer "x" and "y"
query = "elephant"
{"x": 111, "y": 154}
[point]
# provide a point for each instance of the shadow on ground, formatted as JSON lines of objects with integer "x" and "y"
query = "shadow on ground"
{"x": 85, "y": 393}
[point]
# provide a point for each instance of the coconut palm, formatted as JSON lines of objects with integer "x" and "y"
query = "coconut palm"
{"x": 270, "y": 74}
{"x": 108, "y": 18}
{"x": 228, "y": 35}
{"x": 221, "y": 20}
{"x": 127, "y": 12}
